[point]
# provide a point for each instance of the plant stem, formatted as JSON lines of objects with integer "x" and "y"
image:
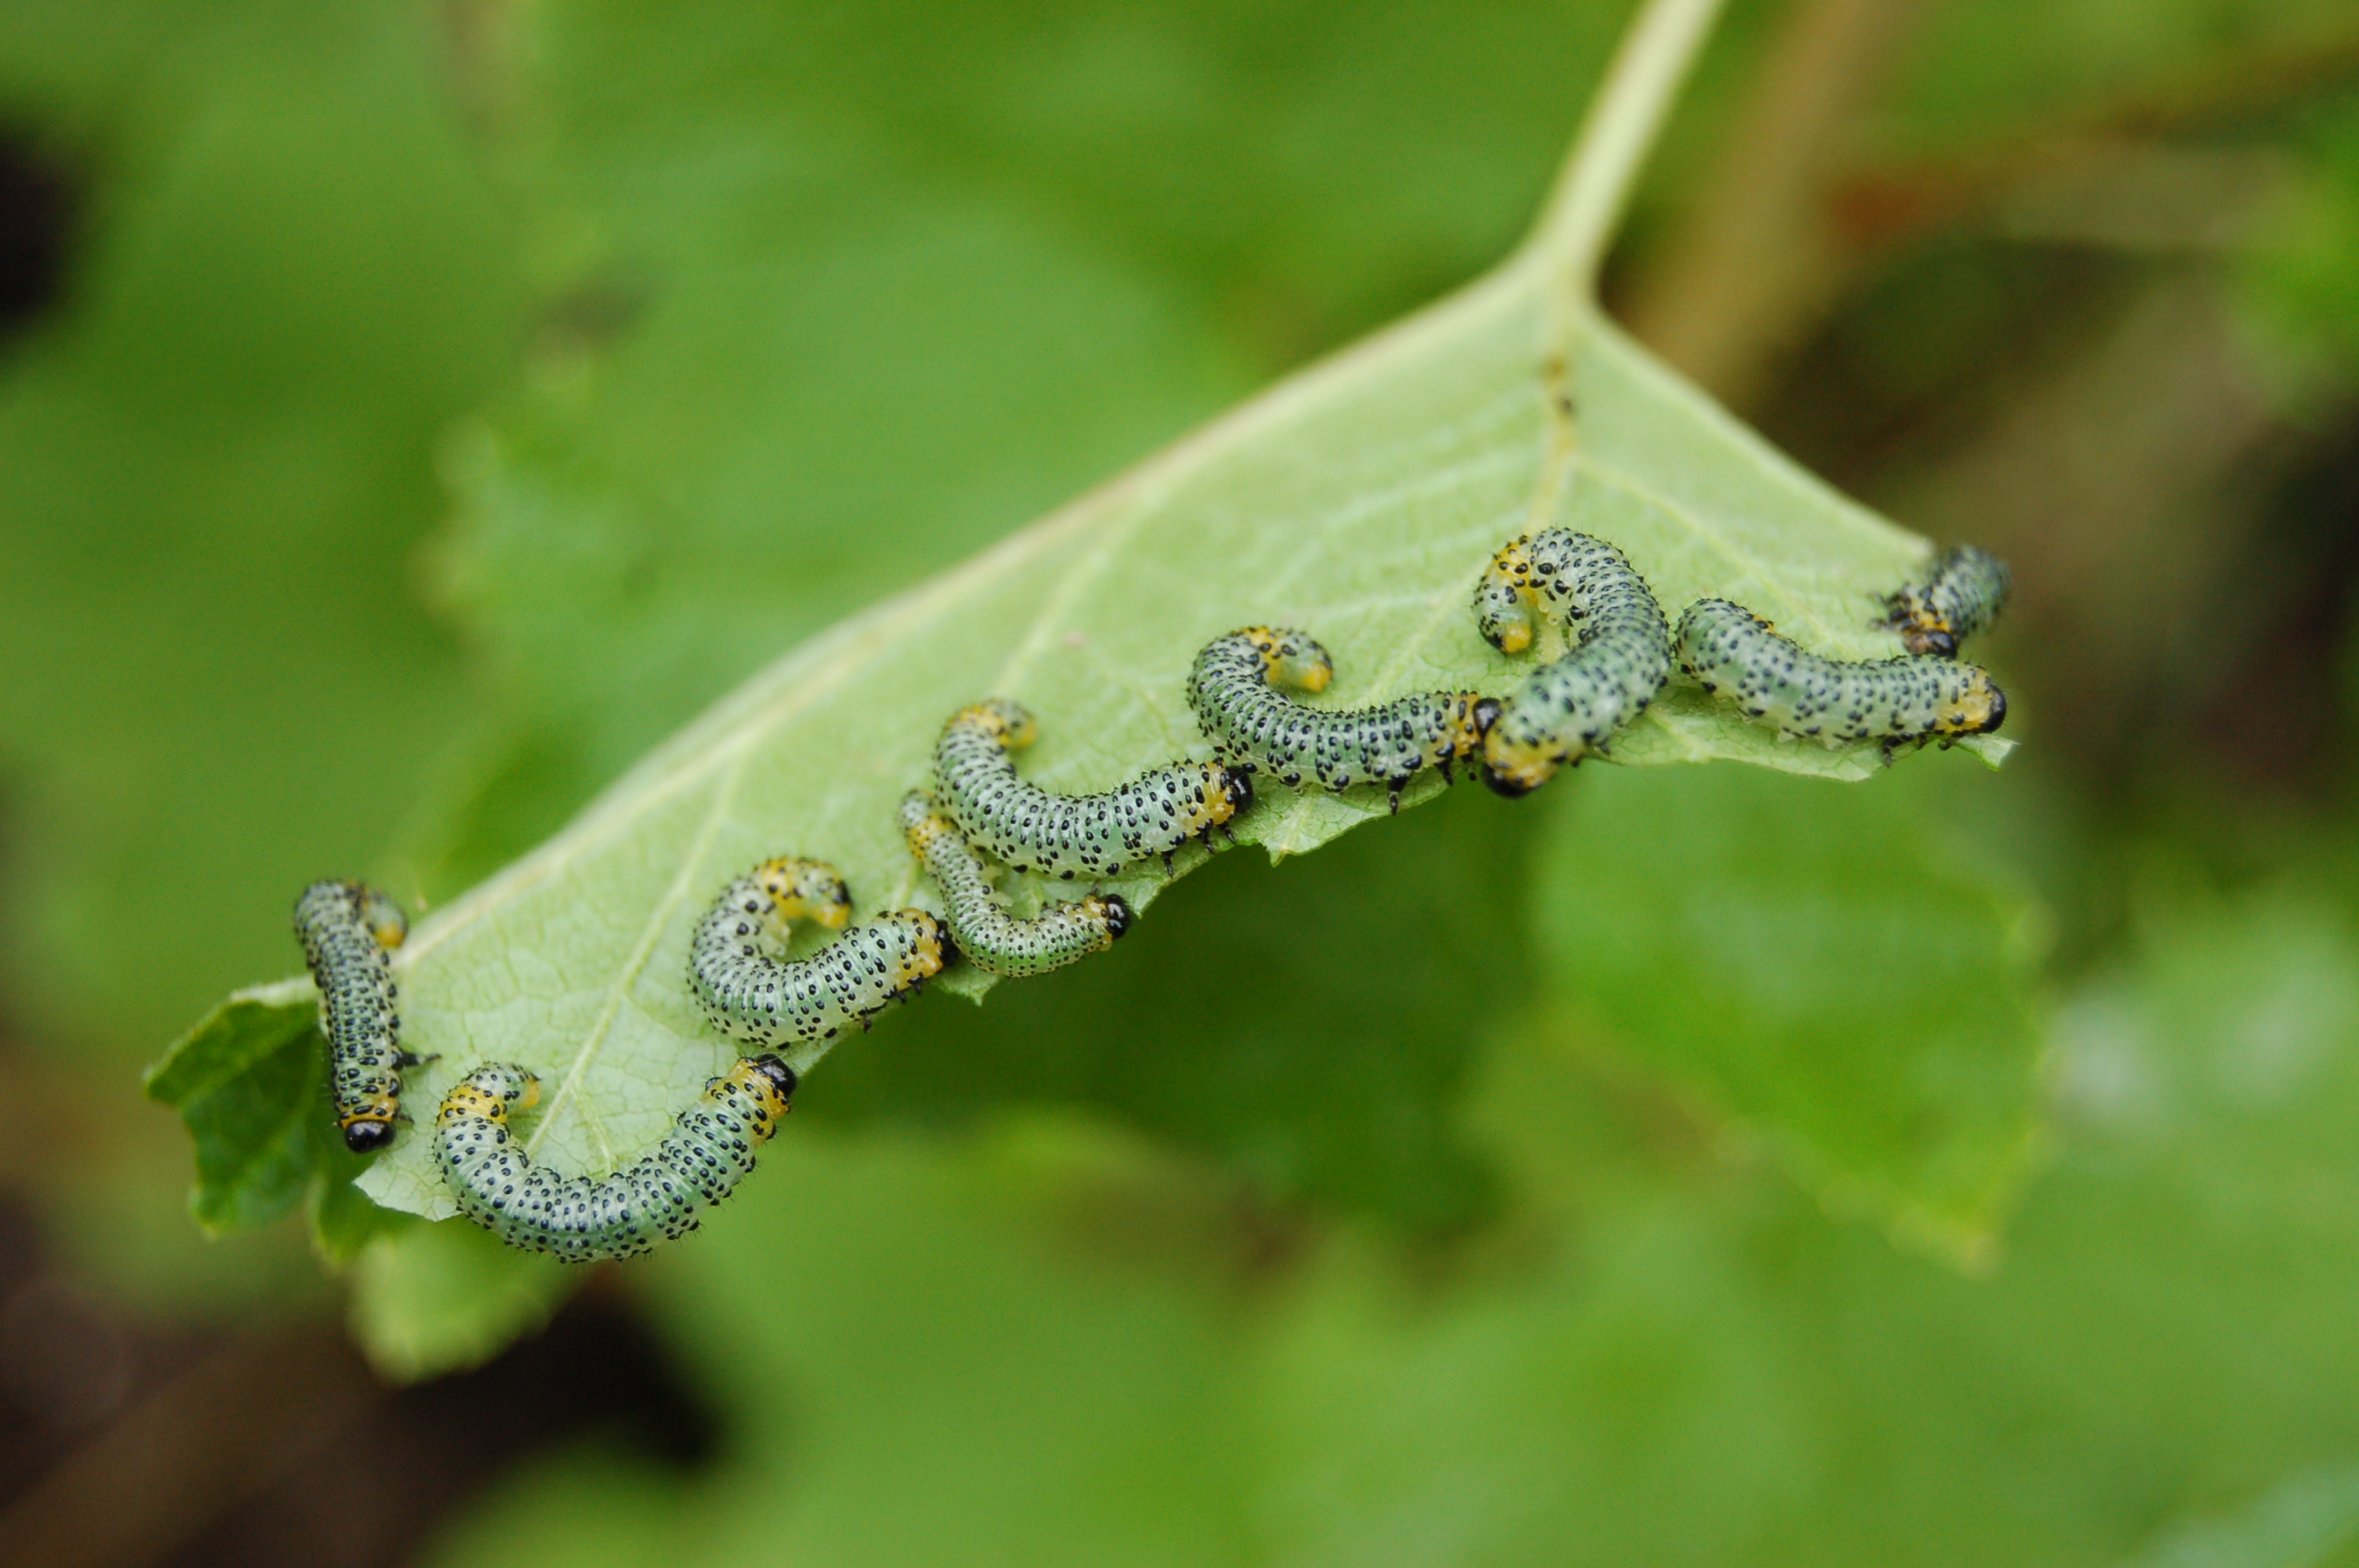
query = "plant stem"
{"x": 1624, "y": 119}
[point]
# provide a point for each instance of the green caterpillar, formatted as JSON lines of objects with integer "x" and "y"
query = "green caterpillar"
{"x": 1619, "y": 658}
{"x": 1065, "y": 835}
{"x": 349, "y": 931}
{"x": 990, "y": 937}
{"x": 1735, "y": 654}
{"x": 1960, "y": 598}
{"x": 1254, "y": 725}
{"x": 753, "y": 993}
{"x": 709, "y": 1151}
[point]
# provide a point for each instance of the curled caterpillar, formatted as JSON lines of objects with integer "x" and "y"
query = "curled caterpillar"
{"x": 349, "y": 931}
{"x": 708, "y": 1153}
{"x": 990, "y": 937}
{"x": 752, "y": 992}
{"x": 1960, "y": 598}
{"x": 1733, "y": 652}
{"x": 1619, "y": 657}
{"x": 1066, "y": 834}
{"x": 1231, "y": 686}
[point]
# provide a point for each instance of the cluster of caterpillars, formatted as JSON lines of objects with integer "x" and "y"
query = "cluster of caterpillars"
{"x": 1618, "y": 654}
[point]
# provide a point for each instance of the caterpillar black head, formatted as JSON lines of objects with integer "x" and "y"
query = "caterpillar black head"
{"x": 368, "y": 1137}
{"x": 781, "y": 1076}
{"x": 1236, "y": 784}
{"x": 1117, "y": 915}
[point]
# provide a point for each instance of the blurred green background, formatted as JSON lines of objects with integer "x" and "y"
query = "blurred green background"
{"x": 410, "y": 413}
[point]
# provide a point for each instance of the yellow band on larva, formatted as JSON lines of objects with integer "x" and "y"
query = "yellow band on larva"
{"x": 1960, "y": 596}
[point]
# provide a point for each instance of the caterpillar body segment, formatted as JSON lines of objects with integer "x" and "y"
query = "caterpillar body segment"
{"x": 709, "y": 1151}
{"x": 349, "y": 931}
{"x": 1617, "y": 659}
{"x": 1234, "y": 688}
{"x": 1737, "y": 655}
{"x": 1069, "y": 836}
{"x": 754, "y": 993}
{"x": 1962, "y": 596}
{"x": 987, "y": 935}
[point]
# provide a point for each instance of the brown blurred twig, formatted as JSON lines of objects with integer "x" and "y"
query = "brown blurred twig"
{"x": 192, "y": 1450}
{"x": 1755, "y": 263}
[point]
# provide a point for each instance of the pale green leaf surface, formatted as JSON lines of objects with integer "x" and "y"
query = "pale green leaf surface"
{"x": 1358, "y": 501}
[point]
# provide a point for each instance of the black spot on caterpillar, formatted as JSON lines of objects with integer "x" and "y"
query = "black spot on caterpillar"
{"x": 1960, "y": 598}
{"x": 1734, "y": 652}
{"x": 752, "y": 992}
{"x": 709, "y": 1151}
{"x": 1618, "y": 657}
{"x": 349, "y": 931}
{"x": 1066, "y": 834}
{"x": 990, "y": 937}
{"x": 1254, "y": 725}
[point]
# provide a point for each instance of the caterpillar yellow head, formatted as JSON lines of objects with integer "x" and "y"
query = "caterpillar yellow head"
{"x": 1978, "y": 709}
{"x": 769, "y": 1080}
{"x": 1290, "y": 658}
{"x": 804, "y": 889}
{"x": 1504, "y": 601}
{"x": 1011, "y": 722}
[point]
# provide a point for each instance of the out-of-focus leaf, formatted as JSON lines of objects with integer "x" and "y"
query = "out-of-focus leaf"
{"x": 2295, "y": 1524}
{"x": 1999, "y": 73}
{"x": 2301, "y": 276}
{"x": 1359, "y": 500}
{"x": 429, "y": 1299}
{"x": 288, "y": 275}
{"x": 577, "y": 1509}
{"x": 1666, "y": 1355}
{"x": 1311, "y": 1026}
{"x": 1845, "y": 973}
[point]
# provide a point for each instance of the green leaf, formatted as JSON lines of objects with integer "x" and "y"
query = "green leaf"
{"x": 1847, "y": 973}
{"x": 2295, "y": 1524}
{"x": 1359, "y": 499}
{"x": 428, "y": 1299}
{"x": 251, "y": 1082}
